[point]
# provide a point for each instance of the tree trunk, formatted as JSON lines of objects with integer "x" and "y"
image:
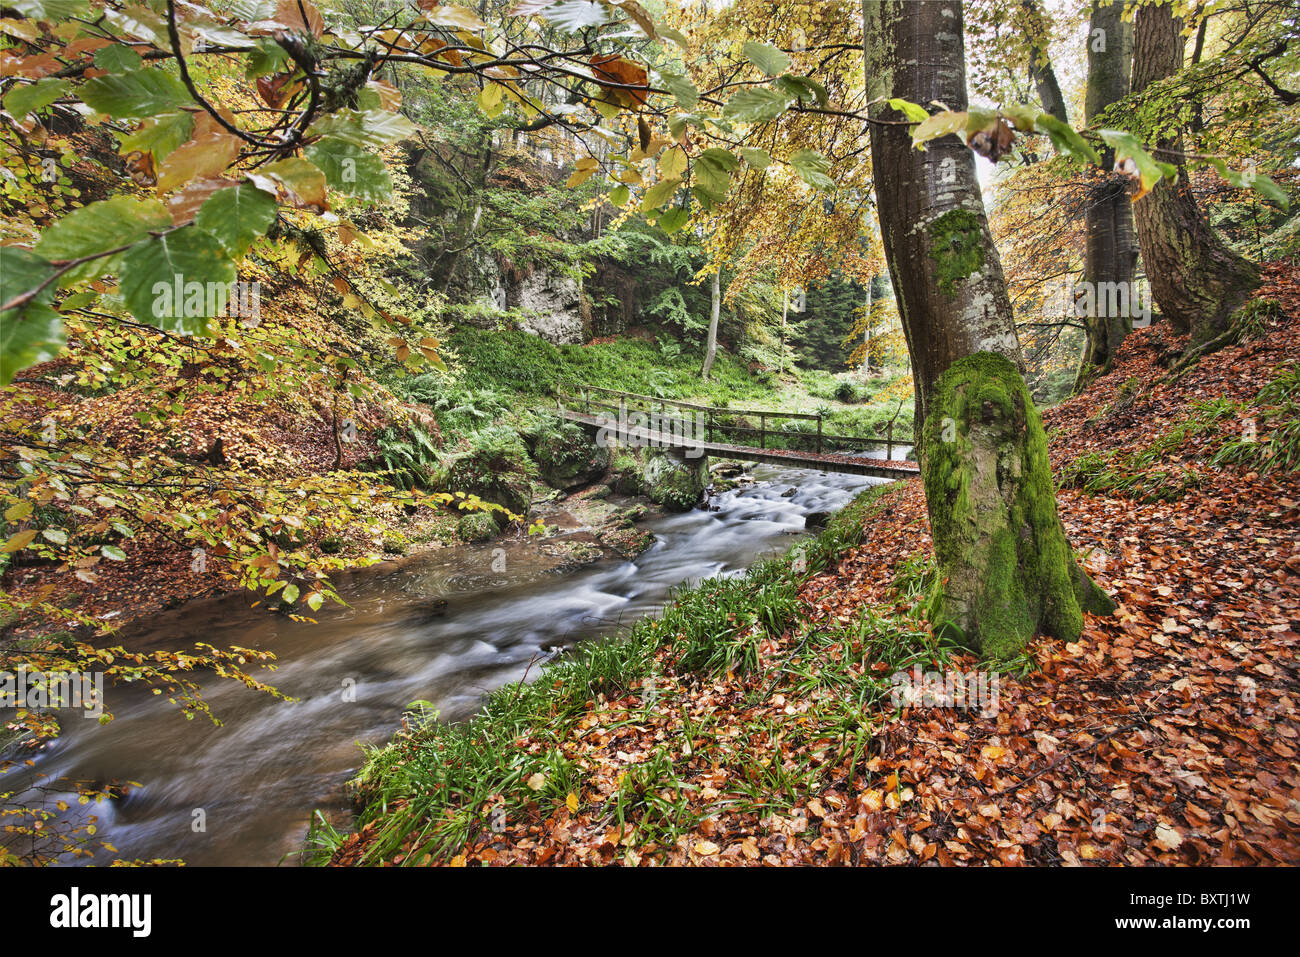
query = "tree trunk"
{"x": 711, "y": 347}
{"x": 866, "y": 337}
{"x": 1112, "y": 250}
{"x": 1040, "y": 63}
{"x": 1196, "y": 280}
{"x": 1006, "y": 570}
{"x": 785, "y": 312}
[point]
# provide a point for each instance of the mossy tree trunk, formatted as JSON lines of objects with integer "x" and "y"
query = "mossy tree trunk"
{"x": 1006, "y": 569}
{"x": 1196, "y": 280}
{"x": 1111, "y": 242}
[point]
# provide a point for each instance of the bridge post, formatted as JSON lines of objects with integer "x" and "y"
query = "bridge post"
{"x": 762, "y": 431}
{"x": 819, "y": 434}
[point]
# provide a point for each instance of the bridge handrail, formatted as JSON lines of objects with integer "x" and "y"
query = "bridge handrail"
{"x": 763, "y": 415}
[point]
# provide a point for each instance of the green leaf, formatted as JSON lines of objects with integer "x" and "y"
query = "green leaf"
{"x": 351, "y": 170}
{"x": 99, "y": 227}
{"x": 759, "y": 159}
{"x": 756, "y": 105}
{"x": 373, "y": 128}
{"x": 113, "y": 552}
{"x": 290, "y": 593}
{"x": 619, "y": 195}
{"x": 161, "y": 135}
{"x": 803, "y": 88}
{"x": 34, "y": 332}
{"x": 51, "y": 9}
{"x": 266, "y": 58}
{"x": 675, "y": 35}
{"x": 34, "y": 97}
{"x": 1127, "y": 147}
{"x": 766, "y": 57}
{"x": 1065, "y": 139}
{"x": 1247, "y": 179}
{"x": 682, "y": 89}
{"x": 140, "y": 94}
{"x": 713, "y": 173}
{"x": 812, "y": 168}
{"x": 119, "y": 58}
{"x": 236, "y": 216}
{"x": 913, "y": 111}
{"x": 315, "y": 600}
{"x": 939, "y": 125}
{"x": 659, "y": 193}
{"x": 56, "y": 535}
{"x": 673, "y": 220}
{"x": 152, "y": 270}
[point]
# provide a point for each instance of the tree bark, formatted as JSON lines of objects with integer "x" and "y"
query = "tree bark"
{"x": 1040, "y": 64}
{"x": 1196, "y": 280}
{"x": 1005, "y": 568}
{"x": 1111, "y": 242}
{"x": 711, "y": 347}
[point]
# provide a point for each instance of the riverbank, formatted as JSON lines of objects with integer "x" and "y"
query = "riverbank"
{"x": 756, "y": 721}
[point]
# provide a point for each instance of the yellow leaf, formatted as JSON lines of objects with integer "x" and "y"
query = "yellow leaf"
{"x": 572, "y": 802}
{"x": 579, "y": 177}
{"x": 537, "y": 781}
{"x": 19, "y": 541}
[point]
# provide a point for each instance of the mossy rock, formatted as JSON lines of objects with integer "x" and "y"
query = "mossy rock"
{"x": 567, "y": 458}
{"x": 673, "y": 482}
{"x": 477, "y": 527}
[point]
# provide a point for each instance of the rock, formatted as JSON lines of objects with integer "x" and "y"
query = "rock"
{"x": 816, "y": 519}
{"x": 790, "y": 492}
{"x": 674, "y": 482}
{"x": 477, "y": 526}
{"x": 567, "y": 458}
{"x": 552, "y": 307}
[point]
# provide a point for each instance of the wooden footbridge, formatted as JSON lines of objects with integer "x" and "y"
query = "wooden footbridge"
{"x": 644, "y": 420}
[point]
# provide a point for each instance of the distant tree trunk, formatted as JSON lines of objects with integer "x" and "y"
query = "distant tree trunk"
{"x": 1005, "y": 569}
{"x": 1196, "y": 280}
{"x": 1040, "y": 63}
{"x": 1112, "y": 249}
{"x": 866, "y": 337}
{"x": 711, "y": 347}
{"x": 785, "y": 312}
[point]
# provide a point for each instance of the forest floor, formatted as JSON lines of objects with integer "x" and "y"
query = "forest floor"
{"x": 1167, "y": 734}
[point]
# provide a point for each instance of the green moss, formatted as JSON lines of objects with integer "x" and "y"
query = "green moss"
{"x": 1006, "y": 570}
{"x": 957, "y": 247}
{"x": 476, "y": 527}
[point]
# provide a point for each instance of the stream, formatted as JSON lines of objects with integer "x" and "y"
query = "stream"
{"x": 445, "y": 626}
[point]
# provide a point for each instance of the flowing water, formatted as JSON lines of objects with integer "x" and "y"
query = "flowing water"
{"x": 446, "y": 627}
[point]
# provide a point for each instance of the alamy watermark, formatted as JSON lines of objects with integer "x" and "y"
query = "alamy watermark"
{"x": 1092, "y": 300}
{"x": 965, "y": 690}
{"x": 656, "y": 430}
{"x": 43, "y": 690}
{"x": 179, "y": 299}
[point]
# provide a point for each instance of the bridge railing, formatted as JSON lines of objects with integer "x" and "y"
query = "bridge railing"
{"x": 727, "y": 422}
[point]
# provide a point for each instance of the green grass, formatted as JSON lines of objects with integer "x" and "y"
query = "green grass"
{"x": 529, "y": 365}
